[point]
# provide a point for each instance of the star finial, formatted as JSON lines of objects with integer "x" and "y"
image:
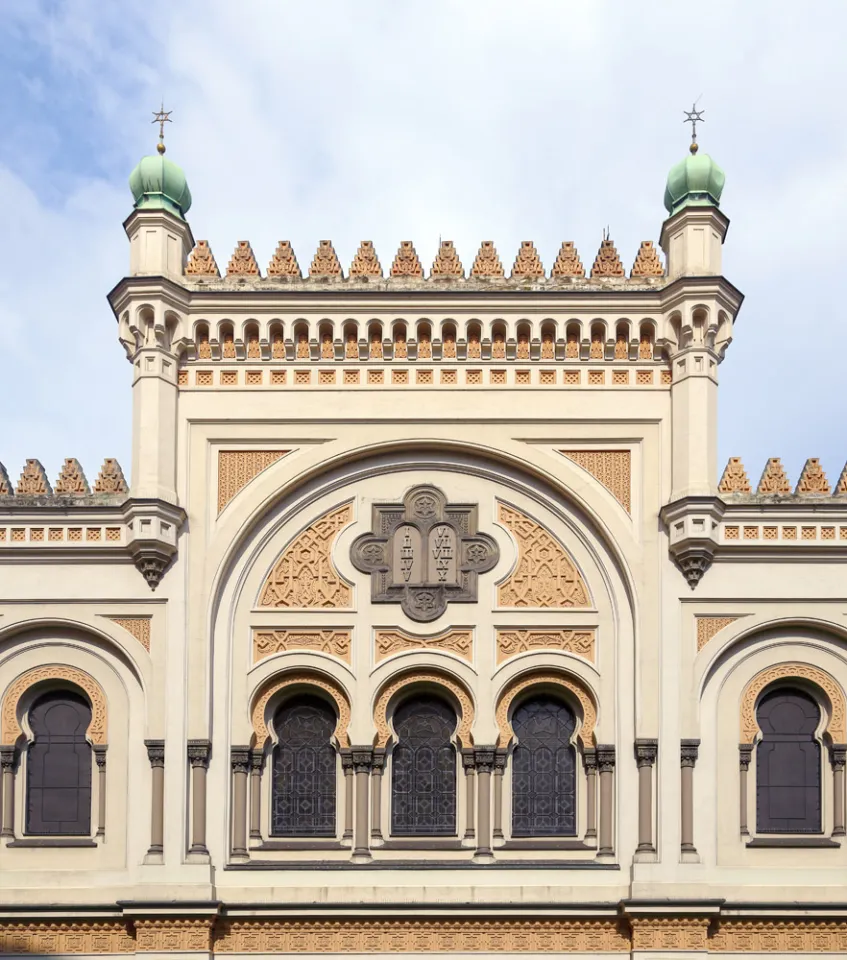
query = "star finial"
{"x": 162, "y": 116}
{"x": 694, "y": 116}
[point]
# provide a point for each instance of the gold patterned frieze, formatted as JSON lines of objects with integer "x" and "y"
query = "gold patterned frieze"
{"x": 780, "y": 936}
{"x": 53, "y": 939}
{"x": 236, "y": 468}
{"x": 669, "y": 933}
{"x": 11, "y": 727}
{"x": 268, "y": 642}
{"x": 389, "y": 642}
{"x": 514, "y": 641}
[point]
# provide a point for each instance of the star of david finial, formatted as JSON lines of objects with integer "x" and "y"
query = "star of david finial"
{"x": 694, "y": 116}
{"x": 162, "y": 116}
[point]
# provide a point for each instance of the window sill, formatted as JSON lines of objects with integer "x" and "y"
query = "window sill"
{"x": 448, "y": 843}
{"x": 551, "y": 844}
{"x": 316, "y": 844}
{"x": 793, "y": 842}
{"x": 52, "y": 842}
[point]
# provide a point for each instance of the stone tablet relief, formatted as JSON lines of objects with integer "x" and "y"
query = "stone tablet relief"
{"x": 424, "y": 553}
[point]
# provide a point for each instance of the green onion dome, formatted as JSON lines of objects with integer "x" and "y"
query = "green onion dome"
{"x": 159, "y": 184}
{"x": 696, "y": 181}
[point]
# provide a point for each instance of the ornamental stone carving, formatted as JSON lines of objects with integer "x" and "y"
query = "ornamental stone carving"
{"x": 389, "y": 642}
{"x": 54, "y": 939}
{"x": 669, "y": 933}
{"x": 304, "y": 576}
{"x": 268, "y": 642}
{"x": 607, "y": 263}
{"x": 425, "y": 678}
{"x": 612, "y": 468}
{"x": 647, "y": 261}
{"x": 542, "y": 679}
{"x": 166, "y": 935}
{"x": 236, "y": 468}
{"x": 33, "y": 481}
{"x": 325, "y": 263}
{"x": 774, "y": 479}
{"x": 366, "y": 263}
{"x": 789, "y": 671}
{"x": 487, "y": 264}
{"x": 139, "y": 627}
{"x": 406, "y": 262}
{"x": 545, "y": 575}
{"x": 243, "y": 262}
{"x": 812, "y": 479}
{"x": 5, "y": 483}
{"x": 201, "y": 263}
{"x": 59, "y": 673}
{"x": 447, "y": 262}
{"x": 707, "y": 627}
{"x": 512, "y": 642}
{"x": 424, "y": 553}
{"x": 527, "y": 265}
{"x": 111, "y": 478}
{"x": 284, "y": 262}
{"x": 734, "y": 479}
{"x": 300, "y": 680}
{"x": 72, "y": 482}
{"x": 766, "y": 937}
{"x": 567, "y": 262}
{"x": 840, "y": 487}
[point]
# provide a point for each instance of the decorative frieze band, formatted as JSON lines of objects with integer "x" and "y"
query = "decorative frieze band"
{"x": 268, "y": 642}
{"x": 389, "y": 642}
{"x": 512, "y": 642}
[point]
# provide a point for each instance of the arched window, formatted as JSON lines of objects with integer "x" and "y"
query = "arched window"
{"x": 58, "y": 766}
{"x": 788, "y": 764}
{"x": 304, "y": 770}
{"x": 543, "y": 769}
{"x": 423, "y": 768}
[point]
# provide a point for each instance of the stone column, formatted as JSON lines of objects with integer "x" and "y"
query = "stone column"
{"x": 606, "y": 766}
{"x": 362, "y": 761}
{"x": 838, "y": 757}
{"x": 645, "y": 756}
{"x": 347, "y": 770}
{"x": 100, "y": 758}
{"x": 745, "y": 752}
{"x": 156, "y": 756}
{"x": 240, "y": 761}
{"x": 257, "y": 764}
{"x": 8, "y": 762}
{"x": 470, "y": 801}
{"x": 688, "y": 751}
{"x": 500, "y": 758}
{"x": 199, "y": 752}
{"x": 376, "y": 797}
{"x": 589, "y": 762}
{"x": 484, "y": 762}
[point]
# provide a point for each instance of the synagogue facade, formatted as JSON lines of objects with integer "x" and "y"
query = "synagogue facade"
{"x": 428, "y": 622}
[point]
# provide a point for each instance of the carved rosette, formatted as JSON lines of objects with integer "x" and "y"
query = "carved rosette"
{"x": 427, "y": 553}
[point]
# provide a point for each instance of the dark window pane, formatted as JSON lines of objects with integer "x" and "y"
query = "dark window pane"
{"x": 788, "y": 764}
{"x": 543, "y": 769}
{"x": 303, "y": 789}
{"x": 423, "y": 769}
{"x": 58, "y": 766}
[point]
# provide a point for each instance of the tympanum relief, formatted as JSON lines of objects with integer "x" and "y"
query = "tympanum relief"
{"x": 424, "y": 553}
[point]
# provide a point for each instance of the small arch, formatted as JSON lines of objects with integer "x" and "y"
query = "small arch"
{"x": 622, "y": 340}
{"x": 647, "y": 338}
{"x": 375, "y": 340}
{"x": 830, "y": 689}
{"x": 296, "y": 682}
{"x": 55, "y": 674}
{"x": 251, "y": 338}
{"x": 524, "y": 333}
{"x": 573, "y": 332}
{"x": 301, "y": 340}
{"x": 424, "y": 340}
{"x": 226, "y": 335}
{"x": 351, "y": 340}
{"x": 598, "y": 339}
{"x": 538, "y": 681}
{"x": 460, "y": 695}
{"x": 277, "y": 337}
{"x": 398, "y": 334}
{"x": 548, "y": 340}
{"x": 204, "y": 348}
{"x": 448, "y": 338}
{"x": 325, "y": 333}
{"x": 474, "y": 340}
{"x": 498, "y": 340}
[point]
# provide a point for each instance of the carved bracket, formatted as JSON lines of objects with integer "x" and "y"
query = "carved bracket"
{"x": 693, "y": 524}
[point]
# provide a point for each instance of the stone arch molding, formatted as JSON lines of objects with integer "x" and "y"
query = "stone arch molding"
{"x": 790, "y": 671}
{"x": 459, "y": 691}
{"x": 572, "y": 684}
{"x": 11, "y": 727}
{"x": 305, "y": 679}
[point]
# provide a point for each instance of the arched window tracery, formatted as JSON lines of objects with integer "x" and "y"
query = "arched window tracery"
{"x": 543, "y": 768}
{"x": 423, "y": 766}
{"x": 303, "y": 787}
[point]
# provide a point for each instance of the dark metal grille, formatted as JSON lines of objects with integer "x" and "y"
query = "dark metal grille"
{"x": 59, "y": 766}
{"x": 543, "y": 770}
{"x": 304, "y": 770}
{"x": 788, "y": 764}
{"x": 423, "y": 769}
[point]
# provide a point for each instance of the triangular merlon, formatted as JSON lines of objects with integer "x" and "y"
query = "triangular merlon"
{"x": 487, "y": 263}
{"x": 72, "y": 480}
{"x": 5, "y": 485}
{"x": 243, "y": 262}
{"x": 774, "y": 479}
{"x": 647, "y": 262}
{"x": 527, "y": 264}
{"x": 812, "y": 479}
{"x": 567, "y": 262}
{"x": 447, "y": 262}
{"x": 406, "y": 262}
{"x": 366, "y": 263}
{"x": 111, "y": 478}
{"x": 284, "y": 262}
{"x": 33, "y": 481}
{"x": 734, "y": 479}
{"x": 201, "y": 263}
{"x": 325, "y": 262}
{"x": 607, "y": 263}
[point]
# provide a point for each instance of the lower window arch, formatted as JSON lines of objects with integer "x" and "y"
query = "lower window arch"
{"x": 423, "y": 768}
{"x": 788, "y": 763}
{"x": 543, "y": 769}
{"x": 303, "y": 786}
{"x": 58, "y": 765}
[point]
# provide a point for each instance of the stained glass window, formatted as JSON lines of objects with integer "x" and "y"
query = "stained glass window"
{"x": 304, "y": 770}
{"x": 788, "y": 764}
{"x": 59, "y": 766}
{"x": 423, "y": 768}
{"x": 543, "y": 769}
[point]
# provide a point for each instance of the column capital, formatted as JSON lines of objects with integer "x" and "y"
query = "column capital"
{"x": 468, "y": 762}
{"x": 745, "y": 752}
{"x": 646, "y": 751}
{"x": 199, "y": 752}
{"x": 346, "y": 759}
{"x": 606, "y": 757}
{"x": 257, "y": 760}
{"x": 500, "y": 759}
{"x": 484, "y": 758}
{"x": 155, "y": 752}
{"x": 8, "y": 757}
{"x": 240, "y": 759}
{"x": 838, "y": 756}
{"x": 589, "y": 759}
{"x": 378, "y": 762}
{"x": 100, "y": 754}
{"x": 362, "y": 759}
{"x": 689, "y": 751}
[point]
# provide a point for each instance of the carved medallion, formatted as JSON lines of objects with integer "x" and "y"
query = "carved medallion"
{"x": 424, "y": 553}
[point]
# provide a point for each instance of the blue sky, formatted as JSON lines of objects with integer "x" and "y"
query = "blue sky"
{"x": 465, "y": 119}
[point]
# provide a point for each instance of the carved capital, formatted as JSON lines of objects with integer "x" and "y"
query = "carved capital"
{"x": 347, "y": 760}
{"x": 100, "y": 755}
{"x": 155, "y": 752}
{"x": 257, "y": 760}
{"x": 484, "y": 759}
{"x": 8, "y": 757}
{"x": 468, "y": 763}
{"x": 240, "y": 759}
{"x": 606, "y": 757}
{"x": 199, "y": 752}
{"x": 646, "y": 752}
{"x": 500, "y": 759}
{"x": 745, "y": 752}
{"x": 589, "y": 760}
{"x": 362, "y": 759}
{"x": 378, "y": 764}
{"x": 688, "y": 752}
{"x": 838, "y": 756}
